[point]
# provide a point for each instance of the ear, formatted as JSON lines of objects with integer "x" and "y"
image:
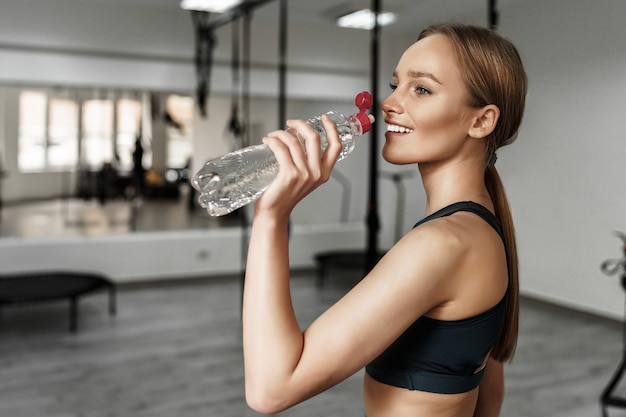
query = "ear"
{"x": 485, "y": 121}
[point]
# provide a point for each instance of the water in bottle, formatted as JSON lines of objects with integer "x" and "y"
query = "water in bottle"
{"x": 240, "y": 177}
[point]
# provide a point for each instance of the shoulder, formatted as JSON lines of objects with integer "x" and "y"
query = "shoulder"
{"x": 427, "y": 259}
{"x": 458, "y": 233}
{"x": 444, "y": 237}
{"x": 465, "y": 256}
{"x": 441, "y": 250}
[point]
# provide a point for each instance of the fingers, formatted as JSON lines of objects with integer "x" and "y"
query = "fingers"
{"x": 313, "y": 143}
{"x": 309, "y": 137}
{"x": 303, "y": 166}
{"x": 299, "y": 154}
{"x": 334, "y": 148}
{"x": 286, "y": 147}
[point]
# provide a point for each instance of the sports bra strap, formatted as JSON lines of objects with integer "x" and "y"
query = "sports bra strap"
{"x": 466, "y": 206}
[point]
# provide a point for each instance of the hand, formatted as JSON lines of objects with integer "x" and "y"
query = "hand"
{"x": 302, "y": 166}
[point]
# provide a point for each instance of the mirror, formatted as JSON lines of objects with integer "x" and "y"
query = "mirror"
{"x": 97, "y": 161}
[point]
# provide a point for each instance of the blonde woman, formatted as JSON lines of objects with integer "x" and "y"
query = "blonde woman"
{"x": 436, "y": 317}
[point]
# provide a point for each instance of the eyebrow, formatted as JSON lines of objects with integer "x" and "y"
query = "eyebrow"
{"x": 419, "y": 74}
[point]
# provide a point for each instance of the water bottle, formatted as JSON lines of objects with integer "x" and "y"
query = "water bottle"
{"x": 240, "y": 177}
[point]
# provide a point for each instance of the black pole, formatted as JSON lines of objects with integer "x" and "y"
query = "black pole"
{"x": 282, "y": 64}
{"x": 372, "y": 205}
{"x": 245, "y": 96}
{"x": 282, "y": 70}
{"x": 493, "y": 14}
{"x": 247, "y": 20}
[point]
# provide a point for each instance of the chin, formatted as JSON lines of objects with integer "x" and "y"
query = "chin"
{"x": 396, "y": 158}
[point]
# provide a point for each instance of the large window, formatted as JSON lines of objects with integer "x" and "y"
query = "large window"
{"x": 62, "y": 149}
{"x": 109, "y": 124}
{"x": 97, "y": 134}
{"x": 32, "y": 131}
{"x": 179, "y": 130}
{"x": 48, "y": 132}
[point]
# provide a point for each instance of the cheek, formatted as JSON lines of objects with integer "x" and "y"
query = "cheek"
{"x": 437, "y": 133}
{"x": 437, "y": 127}
{"x": 436, "y": 119}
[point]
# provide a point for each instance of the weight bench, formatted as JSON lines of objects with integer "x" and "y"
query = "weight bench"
{"x": 45, "y": 286}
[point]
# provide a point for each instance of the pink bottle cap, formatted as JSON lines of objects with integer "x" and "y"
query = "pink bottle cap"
{"x": 363, "y": 101}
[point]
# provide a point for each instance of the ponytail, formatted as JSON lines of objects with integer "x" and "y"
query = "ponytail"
{"x": 493, "y": 73}
{"x": 504, "y": 348}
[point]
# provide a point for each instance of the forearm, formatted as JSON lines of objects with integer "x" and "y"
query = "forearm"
{"x": 276, "y": 377}
{"x": 272, "y": 339}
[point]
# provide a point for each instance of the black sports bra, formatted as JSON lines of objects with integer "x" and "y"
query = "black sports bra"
{"x": 439, "y": 356}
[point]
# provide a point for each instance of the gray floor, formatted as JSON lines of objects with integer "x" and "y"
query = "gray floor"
{"x": 174, "y": 349}
{"x": 77, "y": 217}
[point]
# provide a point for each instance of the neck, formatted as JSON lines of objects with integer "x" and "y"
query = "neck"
{"x": 447, "y": 184}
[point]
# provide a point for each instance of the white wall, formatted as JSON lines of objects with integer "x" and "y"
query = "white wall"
{"x": 148, "y": 256}
{"x": 69, "y": 42}
{"x": 563, "y": 175}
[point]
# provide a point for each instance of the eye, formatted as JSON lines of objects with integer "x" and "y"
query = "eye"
{"x": 422, "y": 91}
{"x": 393, "y": 86}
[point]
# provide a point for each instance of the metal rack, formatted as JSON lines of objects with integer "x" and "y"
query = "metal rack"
{"x": 608, "y": 397}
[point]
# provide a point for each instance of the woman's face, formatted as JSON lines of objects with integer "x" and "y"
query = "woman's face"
{"x": 427, "y": 113}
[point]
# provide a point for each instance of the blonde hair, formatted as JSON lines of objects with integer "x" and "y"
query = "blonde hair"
{"x": 493, "y": 73}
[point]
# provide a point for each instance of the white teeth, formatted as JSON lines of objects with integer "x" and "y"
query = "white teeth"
{"x": 398, "y": 129}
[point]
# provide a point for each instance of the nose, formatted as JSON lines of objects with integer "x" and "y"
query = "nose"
{"x": 391, "y": 104}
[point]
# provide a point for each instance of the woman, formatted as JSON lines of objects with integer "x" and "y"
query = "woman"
{"x": 438, "y": 313}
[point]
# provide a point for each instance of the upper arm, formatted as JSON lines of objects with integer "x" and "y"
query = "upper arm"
{"x": 411, "y": 279}
{"x": 491, "y": 390}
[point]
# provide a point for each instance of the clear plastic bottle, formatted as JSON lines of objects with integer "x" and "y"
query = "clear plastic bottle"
{"x": 240, "y": 177}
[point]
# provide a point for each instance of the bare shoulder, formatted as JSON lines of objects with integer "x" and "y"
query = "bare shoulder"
{"x": 455, "y": 236}
{"x": 426, "y": 259}
{"x": 443, "y": 241}
{"x": 466, "y": 255}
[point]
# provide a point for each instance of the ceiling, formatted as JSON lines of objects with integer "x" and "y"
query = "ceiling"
{"x": 413, "y": 14}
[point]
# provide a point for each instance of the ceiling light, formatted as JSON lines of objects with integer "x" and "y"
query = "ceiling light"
{"x": 364, "y": 19}
{"x": 217, "y": 6}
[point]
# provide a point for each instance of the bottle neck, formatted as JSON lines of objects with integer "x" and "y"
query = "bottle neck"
{"x": 361, "y": 122}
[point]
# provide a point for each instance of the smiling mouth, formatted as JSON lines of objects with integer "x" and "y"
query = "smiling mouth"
{"x": 398, "y": 129}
